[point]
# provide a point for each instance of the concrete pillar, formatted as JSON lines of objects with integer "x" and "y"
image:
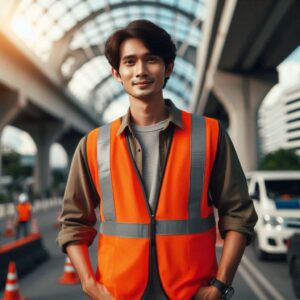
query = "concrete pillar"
{"x": 241, "y": 96}
{"x": 70, "y": 142}
{"x": 12, "y": 104}
{"x": 44, "y": 134}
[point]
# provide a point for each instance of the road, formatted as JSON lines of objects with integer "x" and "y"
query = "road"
{"x": 255, "y": 280}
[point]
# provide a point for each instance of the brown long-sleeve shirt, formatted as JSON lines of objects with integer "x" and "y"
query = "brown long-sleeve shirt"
{"x": 228, "y": 190}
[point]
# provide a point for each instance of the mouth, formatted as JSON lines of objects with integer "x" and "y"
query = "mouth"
{"x": 143, "y": 83}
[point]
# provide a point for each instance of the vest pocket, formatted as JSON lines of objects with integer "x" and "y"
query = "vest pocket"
{"x": 123, "y": 265}
{"x": 106, "y": 250}
{"x": 202, "y": 256}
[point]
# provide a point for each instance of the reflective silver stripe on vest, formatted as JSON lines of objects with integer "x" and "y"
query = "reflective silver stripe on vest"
{"x": 125, "y": 229}
{"x": 166, "y": 227}
{"x": 190, "y": 226}
{"x": 197, "y": 165}
{"x": 103, "y": 157}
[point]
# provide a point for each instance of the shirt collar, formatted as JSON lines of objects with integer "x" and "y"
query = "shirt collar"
{"x": 174, "y": 117}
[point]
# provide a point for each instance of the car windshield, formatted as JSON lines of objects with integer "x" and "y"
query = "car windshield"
{"x": 281, "y": 189}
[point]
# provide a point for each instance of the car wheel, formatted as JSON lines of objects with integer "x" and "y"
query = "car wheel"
{"x": 260, "y": 254}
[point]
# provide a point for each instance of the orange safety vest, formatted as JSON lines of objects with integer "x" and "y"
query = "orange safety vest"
{"x": 23, "y": 210}
{"x": 183, "y": 226}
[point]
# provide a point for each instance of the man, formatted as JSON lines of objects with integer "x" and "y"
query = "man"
{"x": 155, "y": 173}
{"x": 23, "y": 209}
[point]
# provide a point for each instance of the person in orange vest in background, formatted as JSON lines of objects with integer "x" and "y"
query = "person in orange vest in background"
{"x": 156, "y": 174}
{"x": 23, "y": 209}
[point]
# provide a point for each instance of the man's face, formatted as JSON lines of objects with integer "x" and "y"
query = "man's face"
{"x": 141, "y": 72}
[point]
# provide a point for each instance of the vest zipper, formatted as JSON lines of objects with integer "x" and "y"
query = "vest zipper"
{"x": 151, "y": 215}
{"x": 156, "y": 203}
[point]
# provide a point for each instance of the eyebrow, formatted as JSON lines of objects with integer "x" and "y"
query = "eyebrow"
{"x": 128, "y": 57}
{"x": 134, "y": 56}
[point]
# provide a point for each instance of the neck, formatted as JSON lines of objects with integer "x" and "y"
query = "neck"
{"x": 145, "y": 113}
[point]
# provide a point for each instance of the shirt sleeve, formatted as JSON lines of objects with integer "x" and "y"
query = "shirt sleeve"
{"x": 229, "y": 192}
{"x": 78, "y": 216}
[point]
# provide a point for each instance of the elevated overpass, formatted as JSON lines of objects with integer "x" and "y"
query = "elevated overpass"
{"x": 244, "y": 41}
{"x": 32, "y": 99}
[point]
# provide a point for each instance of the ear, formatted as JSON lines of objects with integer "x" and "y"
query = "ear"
{"x": 169, "y": 69}
{"x": 116, "y": 75}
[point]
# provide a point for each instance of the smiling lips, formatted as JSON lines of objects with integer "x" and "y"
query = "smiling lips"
{"x": 143, "y": 82}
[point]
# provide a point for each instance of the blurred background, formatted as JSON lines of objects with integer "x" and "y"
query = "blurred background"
{"x": 237, "y": 61}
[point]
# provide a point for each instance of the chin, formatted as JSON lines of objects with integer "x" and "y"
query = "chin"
{"x": 142, "y": 96}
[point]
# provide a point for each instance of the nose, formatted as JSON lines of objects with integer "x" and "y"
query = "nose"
{"x": 141, "y": 69}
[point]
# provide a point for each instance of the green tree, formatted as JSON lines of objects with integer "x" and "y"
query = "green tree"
{"x": 282, "y": 159}
{"x": 11, "y": 164}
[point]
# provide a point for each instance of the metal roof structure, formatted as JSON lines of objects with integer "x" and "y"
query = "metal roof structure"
{"x": 69, "y": 36}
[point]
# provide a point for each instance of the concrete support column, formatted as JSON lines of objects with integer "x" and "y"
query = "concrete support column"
{"x": 241, "y": 96}
{"x": 44, "y": 134}
{"x": 12, "y": 104}
{"x": 42, "y": 172}
{"x": 70, "y": 142}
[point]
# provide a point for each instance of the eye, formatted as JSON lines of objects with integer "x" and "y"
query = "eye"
{"x": 129, "y": 61}
{"x": 152, "y": 59}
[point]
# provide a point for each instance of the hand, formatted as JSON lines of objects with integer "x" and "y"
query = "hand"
{"x": 208, "y": 293}
{"x": 96, "y": 291}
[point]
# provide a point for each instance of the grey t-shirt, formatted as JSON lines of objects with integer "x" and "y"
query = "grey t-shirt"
{"x": 148, "y": 137}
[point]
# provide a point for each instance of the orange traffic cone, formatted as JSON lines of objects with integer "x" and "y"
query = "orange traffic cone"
{"x": 70, "y": 275}
{"x": 12, "y": 287}
{"x": 9, "y": 228}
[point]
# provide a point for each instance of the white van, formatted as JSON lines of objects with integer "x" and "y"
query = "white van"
{"x": 276, "y": 197}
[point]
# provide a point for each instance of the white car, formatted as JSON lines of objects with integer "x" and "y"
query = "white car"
{"x": 276, "y": 197}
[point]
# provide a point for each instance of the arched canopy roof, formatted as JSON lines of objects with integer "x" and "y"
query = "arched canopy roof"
{"x": 69, "y": 35}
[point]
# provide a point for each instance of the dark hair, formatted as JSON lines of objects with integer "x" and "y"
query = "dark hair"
{"x": 155, "y": 38}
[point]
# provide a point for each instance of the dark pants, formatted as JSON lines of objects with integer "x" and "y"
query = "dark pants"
{"x": 22, "y": 229}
